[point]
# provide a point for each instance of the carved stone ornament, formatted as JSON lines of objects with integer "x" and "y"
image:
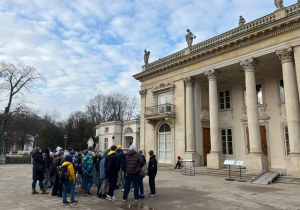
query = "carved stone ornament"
{"x": 279, "y": 4}
{"x": 248, "y": 64}
{"x": 90, "y": 142}
{"x": 189, "y": 37}
{"x": 188, "y": 81}
{"x": 285, "y": 55}
{"x": 143, "y": 93}
{"x": 146, "y": 56}
{"x": 211, "y": 74}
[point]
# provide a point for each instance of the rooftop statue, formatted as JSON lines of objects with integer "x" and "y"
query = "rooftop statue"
{"x": 242, "y": 21}
{"x": 189, "y": 38}
{"x": 90, "y": 142}
{"x": 279, "y": 4}
{"x": 146, "y": 56}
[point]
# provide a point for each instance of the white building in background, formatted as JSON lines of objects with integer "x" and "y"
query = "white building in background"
{"x": 116, "y": 132}
{"x": 17, "y": 145}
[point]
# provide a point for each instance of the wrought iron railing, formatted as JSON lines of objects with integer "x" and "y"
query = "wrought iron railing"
{"x": 160, "y": 110}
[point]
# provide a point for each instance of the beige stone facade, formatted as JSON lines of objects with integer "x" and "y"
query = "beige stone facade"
{"x": 234, "y": 96}
{"x": 118, "y": 133}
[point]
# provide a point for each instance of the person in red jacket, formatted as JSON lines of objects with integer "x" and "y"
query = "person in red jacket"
{"x": 134, "y": 162}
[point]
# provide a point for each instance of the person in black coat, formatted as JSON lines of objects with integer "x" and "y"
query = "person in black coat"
{"x": 47, "y": 165}
{"x": 57, "y": 186}
{"x": 112, "y": 167}
{"x": 152, "y": 171}
{"x": 38, "y": 171}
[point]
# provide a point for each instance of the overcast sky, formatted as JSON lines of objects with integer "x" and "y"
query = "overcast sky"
{"x": 86, "y": 47}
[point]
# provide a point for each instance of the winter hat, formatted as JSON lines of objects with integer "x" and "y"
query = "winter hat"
{"x": 47, "y": 151}
{"x": 90, "y": 153}
{"x": 37, "y": 149}
{"x": 68, "y": 158}
{"x": 70, "y": 149}
{"x": 132, "y": 147}
{"x": 58, "y": 149}
{"x": 178, "y": 157}
{"x": 119, "y": 146}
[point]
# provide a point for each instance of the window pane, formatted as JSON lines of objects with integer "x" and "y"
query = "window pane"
{"x": 168, "y": 137}
{"x": 222, "y": 100}
{"x": 227, "y": 99}
{"x": 227, "y": 93}
{"x": 223, "y": 132}
{"x": 221, "y": 94}
{"x": 227, "y": 105}
{"x": 230, "y": 151}
{"x": 229, "y": 132}
{"x": 222, "y": 106}
{"x": 167, "y": 128}
{"x": 229, "y": 138}
{"x": 259, "y": 94}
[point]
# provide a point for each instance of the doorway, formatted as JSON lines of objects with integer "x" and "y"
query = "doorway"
{"x": 206, "y": 144}
{"x": 263, "y": 138}
{"x": 165, "y": 143}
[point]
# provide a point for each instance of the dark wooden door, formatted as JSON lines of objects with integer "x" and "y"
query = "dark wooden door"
{"x": 263, "y": 138}
{"x": 206, "y": 144}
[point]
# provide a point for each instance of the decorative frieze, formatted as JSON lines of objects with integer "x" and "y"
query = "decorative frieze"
{"x": 143, "y": 93}
{"x": 285, "y": 55}
{"x": 204, "y": 114}
{"x": 262, "y": 113}
{"x": 248, "y": 64}
{"x": 188, "y": 81}
{"x": 211, "y": 74}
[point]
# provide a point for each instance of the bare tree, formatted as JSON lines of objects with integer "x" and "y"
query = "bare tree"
{"x": 13, "y": 81}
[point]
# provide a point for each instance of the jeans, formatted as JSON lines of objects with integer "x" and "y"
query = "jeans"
{"x": 87, "y": 182}
{"x": 135, "y": 179}
{"x": 47, "y": 180}
{"x": 69, "y": 185}
{"x": 152, "y": 184}
{"x": 40, "y": 184}
{"x": 121, "y": 178}
{"x": 104, "y": 186}
{"x": 79, "y": 181}
{"x": 112, "y": 184}
{"x": 141, "y": 184}
{"x": 99, "y": 184}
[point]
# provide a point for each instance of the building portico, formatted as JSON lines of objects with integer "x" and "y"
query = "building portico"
{"x": 235, "y": 96}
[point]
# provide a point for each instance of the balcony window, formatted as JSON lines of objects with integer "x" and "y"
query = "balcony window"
{"x": 281, "y": 91}
{"x": 226, "y": 138}
{"x": 164, "y": 98}
{"x": 286, "y": 139}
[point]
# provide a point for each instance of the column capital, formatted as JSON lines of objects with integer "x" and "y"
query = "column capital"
{"x": 285, "y": 55}
{"x": 248, "y": 64}
{"x": 188, "y": 81}
{"x": 211, "y": 74}
{"x": 143, "y": 93}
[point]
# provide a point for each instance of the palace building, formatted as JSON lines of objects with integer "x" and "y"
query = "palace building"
{"x": 234, "y": 96}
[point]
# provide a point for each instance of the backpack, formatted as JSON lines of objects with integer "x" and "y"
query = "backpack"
{"x": 144, "y": 170}
{"x": 63, "y": 174}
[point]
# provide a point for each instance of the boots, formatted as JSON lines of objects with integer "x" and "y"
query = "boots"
{"x": 44, "y": 191}
{"x": 34, "y": 191}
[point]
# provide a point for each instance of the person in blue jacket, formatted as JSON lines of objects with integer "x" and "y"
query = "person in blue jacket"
{"x": 120, "y": 154}
{"x": 103, "y": 179}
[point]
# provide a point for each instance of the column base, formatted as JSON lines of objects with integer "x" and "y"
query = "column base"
{"x": 257, "y": 163}
{"x": 293, "y": 165}
{"x": 193, "y": 156}
{"x": 215, "y": 161}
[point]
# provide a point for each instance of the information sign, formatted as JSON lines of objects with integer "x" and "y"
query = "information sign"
{"x": 229, "y": 162}
{"x": 239, "y": 163}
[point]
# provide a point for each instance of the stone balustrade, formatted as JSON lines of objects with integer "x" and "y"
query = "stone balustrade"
{"x": 160, "y": 111}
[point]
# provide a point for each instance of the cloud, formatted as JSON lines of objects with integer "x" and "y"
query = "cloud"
{"x": 88, "y": 47}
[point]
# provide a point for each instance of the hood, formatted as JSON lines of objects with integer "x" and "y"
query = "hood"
{"x": 130, "y": 152}
{"x": 154, "y": 156}
{"x": 111, "y": 152}
{"x": 66, "y": 163}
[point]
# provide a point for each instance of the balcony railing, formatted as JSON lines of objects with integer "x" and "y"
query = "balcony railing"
{"x": 164, "y": 110}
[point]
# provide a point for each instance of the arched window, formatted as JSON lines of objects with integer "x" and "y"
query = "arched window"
{"x": 165, "y": 143}
{"x": 128, "y": 130}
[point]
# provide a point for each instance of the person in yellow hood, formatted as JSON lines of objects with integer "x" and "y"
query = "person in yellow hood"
{"x": 69, "y": 185}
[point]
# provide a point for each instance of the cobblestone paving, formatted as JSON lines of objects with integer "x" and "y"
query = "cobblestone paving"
{"x": 174, "y": 191}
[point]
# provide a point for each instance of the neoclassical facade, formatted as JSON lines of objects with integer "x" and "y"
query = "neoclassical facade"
{"x": 234, "y": 96}
{"x": 118, "y": 133}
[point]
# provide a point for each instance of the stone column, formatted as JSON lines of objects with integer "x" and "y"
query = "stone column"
{"x": 215, "y": 159}
{"x": 256, "y": 161}
{"x": 297, "y": 66}
{"x": 190, "y": 123}
{"x": 143, "y": 94}
{"x": 292, "y": 109}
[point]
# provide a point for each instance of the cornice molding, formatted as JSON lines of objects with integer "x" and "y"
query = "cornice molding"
{"x": 274, "y": 29}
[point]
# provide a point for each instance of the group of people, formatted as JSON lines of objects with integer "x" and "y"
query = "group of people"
{"x": 63, "y": 171}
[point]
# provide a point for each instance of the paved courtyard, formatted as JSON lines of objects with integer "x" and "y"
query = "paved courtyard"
{"x": 174, "y": 191}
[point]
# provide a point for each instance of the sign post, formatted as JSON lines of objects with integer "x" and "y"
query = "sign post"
{"x": 229, "y": 162}
{"x": 240, "y": 163}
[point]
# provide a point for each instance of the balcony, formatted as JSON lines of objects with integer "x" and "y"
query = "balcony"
{"x": 160, "y": 111}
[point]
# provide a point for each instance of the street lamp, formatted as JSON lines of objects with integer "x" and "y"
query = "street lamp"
{"x": 35, "y": 140}
{"x": 131, "y": 141}
{"x": 3, "y": 157}
{"x": 65, "y": 138}
{"x": 4, "y": 141}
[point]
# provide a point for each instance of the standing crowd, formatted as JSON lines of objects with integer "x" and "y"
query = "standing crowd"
{"x": 114, "y": 169}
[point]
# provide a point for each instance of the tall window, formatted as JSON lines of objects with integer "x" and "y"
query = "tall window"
{"x": 287, "y": 139}
{"x": 259, "y": 95}
{"x": 106, "y": 129}
{"x": 164, "y": 98}
{"x": 105, "y": 143}
{"x": 226, "y": 138}
{"x": 281, "y": 91}
{"x": 165, "y": 143}
{"x": 224, "y": 100}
